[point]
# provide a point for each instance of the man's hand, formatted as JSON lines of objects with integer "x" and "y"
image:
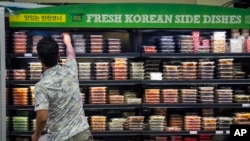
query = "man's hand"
{"x": 35, "y": 137}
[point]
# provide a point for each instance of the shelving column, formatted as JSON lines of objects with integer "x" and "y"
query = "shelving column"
{"x": 2, "y": 76}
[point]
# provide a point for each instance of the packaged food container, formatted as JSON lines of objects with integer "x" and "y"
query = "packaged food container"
{"x": 149, "y": 49}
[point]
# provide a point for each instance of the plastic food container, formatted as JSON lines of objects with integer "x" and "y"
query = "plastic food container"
{"x": 149, "y": 49}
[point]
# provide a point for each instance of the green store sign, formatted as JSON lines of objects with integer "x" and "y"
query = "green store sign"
{"x": 133, "y": 16}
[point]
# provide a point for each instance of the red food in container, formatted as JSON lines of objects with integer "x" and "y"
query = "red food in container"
{"x": 150, "y": 49}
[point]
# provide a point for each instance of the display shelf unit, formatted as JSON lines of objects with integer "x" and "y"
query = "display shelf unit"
{"x": 135, "y": 35}
{"x": 195, "y": 55}
{"x": 197, "y": 105}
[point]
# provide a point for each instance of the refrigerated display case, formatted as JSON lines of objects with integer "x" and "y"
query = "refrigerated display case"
{"x": 145, "y": 62}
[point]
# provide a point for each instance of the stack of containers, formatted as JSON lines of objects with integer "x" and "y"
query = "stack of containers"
{"x": 97, "y": 95}
{"x": 98, "y": 123}
{"x": 247, "y": 45}
{"x": 196, "y": 41}
{"x": 242, "y": 98}
{"x": 130, "y": 98}
{"x": 35, "y": 70}
{"x": 225, "y": 68}
{"x": 176, "y": 121}
{"x": 8, "y": 120}
{"x": 114, "y": 45}
{"x": 20, "y": 42}
{"x": 235, "y": 33}
{"x": 149, "y": 49}
{"x": 116, "y": 124}
{"x": 58, "y": 38}
{"x": 205, "y": 46}
{"x": 188, "y": 95}
{"x": 84, "y": 70}
{"x": 236, "y": 45}
{"x": 192, "y": 123}
{"x": 169, "y": 96}
{"x": 35, "y": 40}
{"x": 242, "y": 118}
{"x": 189, "y": 70}
{"x": 116, "y": 99}
{"x": 83, "y": 98}
{"x": 32, "y": 92}
{"x": 151, "y": 66}
{"x": 209, "y": 123}
{"x": 156, "y": 123}
{"x": 166, "y": 44}
{"x": 238, "y": 72}
{"x": 96, "y": 44}
{"x": 206, "y": 94}
{"x": 19, "y": 74}
{"x": 101, "y": 70}
{"x": 20, "y": 96}
{"x": 223, "y": 123}
{"x": 152, "y": 96}
{"x": 136, "y": 71}
{"x": 186, "y": 44}
{"x": 20, "y": 123}
{"x": 161, "y": 139}
{"x": 79, "y": 43}
{"x": 218, "y": 44}
{"x": 205, "y": 137}
{"x": 119, "y": 69}
{"x": 224, "y": 95}
{"x": 175, "y": 138}
{"x": 134, "y": 123}
{"x": 207, "y": 112}
{"x": 206, "y": 69}
{"x": 171, "y": 72}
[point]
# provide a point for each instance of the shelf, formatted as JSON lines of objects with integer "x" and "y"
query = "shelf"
{"x": 108, "y": 55}
{"x": 198, "y": 105}
{"x": 83, "y": 82}
{"x": 111, "y": 106}
{"x": 85, "y": 106}
{"x": 147, "y": 55}
{"x": 196, "y": 55}
{"x": 86, "y": 55}
{"x": 116, "y": 133}
{"x": 146, "y": 82}
{"x": 109, "y": 82}
{"x": 166, "y": 133}
{"x": 196, "y": 81}
{"x": 137, "y": 133}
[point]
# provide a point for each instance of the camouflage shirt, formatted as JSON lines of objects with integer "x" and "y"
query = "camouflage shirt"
{"x": 58, "y": 92}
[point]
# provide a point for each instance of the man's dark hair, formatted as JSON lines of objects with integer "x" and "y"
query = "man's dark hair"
{"x": 47, "y": 49}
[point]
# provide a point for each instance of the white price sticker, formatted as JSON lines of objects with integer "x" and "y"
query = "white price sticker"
{"x": 219, "y": 132}
{"x": 28, "y": 54}
{"x": 193, "y": 132}
{"x": 246, "y": 105}
{"x": 227, "y": 132}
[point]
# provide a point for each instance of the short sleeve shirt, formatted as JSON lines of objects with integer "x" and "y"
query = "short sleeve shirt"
{"x": 58, "y": 92}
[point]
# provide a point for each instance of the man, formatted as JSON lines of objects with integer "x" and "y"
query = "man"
{"x": 57, "y": 95}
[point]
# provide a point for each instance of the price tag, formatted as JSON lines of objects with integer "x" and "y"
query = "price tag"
{"x": 219, "y": 132}
{"x": 246, "y": 105}
{"x": 227, "y": 132}
{"x": 193, "y": 132}
{"x": 28, "y": 54}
